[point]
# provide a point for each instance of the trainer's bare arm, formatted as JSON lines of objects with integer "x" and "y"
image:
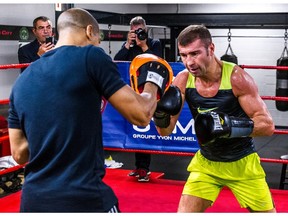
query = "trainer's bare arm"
{"x": 179, "y": 81}
{"x": 138, "y": 109}
{"x": 245, "y": 88}
{"x": 18, "y": 146}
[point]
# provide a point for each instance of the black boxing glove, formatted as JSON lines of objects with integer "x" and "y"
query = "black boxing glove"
{"x": 169, "y": 104}
{"x": 212, "y": 125}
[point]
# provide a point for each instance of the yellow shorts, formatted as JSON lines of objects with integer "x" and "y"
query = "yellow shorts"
{"x": 245, "y": 178}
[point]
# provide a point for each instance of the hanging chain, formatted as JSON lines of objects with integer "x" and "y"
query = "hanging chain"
{"x": 229, "y": 36}
{"x": 229, "y": 46}
{"x": 285, "y": 44}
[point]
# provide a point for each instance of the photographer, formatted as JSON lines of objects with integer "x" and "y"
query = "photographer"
{"x": 137, "y": 43}
{"x": 42, "y": 29}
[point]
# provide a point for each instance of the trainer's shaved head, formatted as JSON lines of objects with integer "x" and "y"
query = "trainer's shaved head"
{"x": 78, "y": 27}
{"x": 76, "y": 17}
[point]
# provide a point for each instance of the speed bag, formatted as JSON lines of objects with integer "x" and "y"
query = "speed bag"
{"x": 229, "y": 58}
{"x": 282, "y": 84}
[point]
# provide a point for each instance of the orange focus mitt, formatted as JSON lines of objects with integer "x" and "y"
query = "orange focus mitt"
{"x": 150, "y": 68}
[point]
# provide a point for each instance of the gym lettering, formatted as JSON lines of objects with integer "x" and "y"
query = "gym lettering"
{"x": 6, "y": 33}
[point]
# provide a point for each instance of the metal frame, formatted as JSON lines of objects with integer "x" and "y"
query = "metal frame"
{"x": 211, "y": 20}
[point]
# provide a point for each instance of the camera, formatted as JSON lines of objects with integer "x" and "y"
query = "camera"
{"x": 141, "y": 34}
{"x": 49, "y": 40}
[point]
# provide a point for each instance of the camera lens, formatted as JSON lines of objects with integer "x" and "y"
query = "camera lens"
{"x": 141, "y": 34}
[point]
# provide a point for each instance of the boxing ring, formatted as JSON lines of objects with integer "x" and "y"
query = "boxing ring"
{"x": 119, "y": 135}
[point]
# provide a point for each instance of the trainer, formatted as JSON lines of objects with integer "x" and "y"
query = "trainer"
{"x": 55, "y": 123}
{"x": 228, "y": 112}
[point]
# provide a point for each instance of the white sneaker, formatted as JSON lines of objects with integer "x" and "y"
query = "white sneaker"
{"x": 112, "y": 164}
{"x": 7, "y": 162}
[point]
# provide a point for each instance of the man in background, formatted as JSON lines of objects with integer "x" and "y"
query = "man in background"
{"x": 42, "y": 29}
{"x": 138, "y": 43}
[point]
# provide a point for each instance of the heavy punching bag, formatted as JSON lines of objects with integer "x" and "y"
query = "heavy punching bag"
{"x": 282, "y": 81}
{"x": 229, "y": 57}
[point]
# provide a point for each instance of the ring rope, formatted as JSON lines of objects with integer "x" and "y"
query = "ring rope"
{"x": 274, "y": 98}
{"x": 269, "y": 160}
{"x": 6, "y": 101}
{"x": 264, "y": 67}
{"x": 277, "y": 131}
{"x": 4, "y": 138}
{"x": 8, "y": 66}
{"x": 14, "y": 66}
